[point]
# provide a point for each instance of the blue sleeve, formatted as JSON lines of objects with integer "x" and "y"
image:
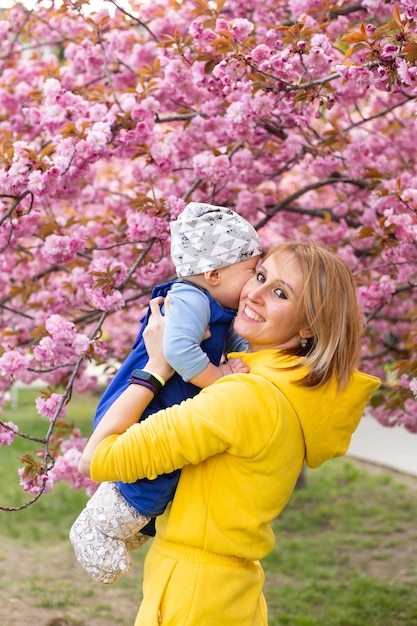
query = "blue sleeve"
{"x": 187, "y": 322}
{"x": 234, "y": 342}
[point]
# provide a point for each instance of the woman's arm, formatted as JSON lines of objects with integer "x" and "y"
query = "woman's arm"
{"x": 226, "y": 416}
{"x": 129, "y": 406}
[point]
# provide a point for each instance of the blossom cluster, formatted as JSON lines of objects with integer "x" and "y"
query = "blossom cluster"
{"x": 299, "y": 114}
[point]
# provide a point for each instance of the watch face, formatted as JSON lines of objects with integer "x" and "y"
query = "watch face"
{"x": 141, "y": 375}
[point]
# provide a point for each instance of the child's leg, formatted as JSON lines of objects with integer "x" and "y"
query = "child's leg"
{"x": 104, "y": 533}
{"x": 114, "y": 516}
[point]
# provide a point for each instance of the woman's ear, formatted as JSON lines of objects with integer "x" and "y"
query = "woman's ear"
{"x": 305, "y": 333}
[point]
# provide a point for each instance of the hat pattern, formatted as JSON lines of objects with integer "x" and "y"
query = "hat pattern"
{"x": 207, "y": 237}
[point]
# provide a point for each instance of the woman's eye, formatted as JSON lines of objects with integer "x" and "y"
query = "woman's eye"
{"x": 260, "y": 277}
{"x": 281, "y": 293}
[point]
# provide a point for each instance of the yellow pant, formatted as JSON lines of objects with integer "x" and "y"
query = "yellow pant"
{"x": 185, "y": 586}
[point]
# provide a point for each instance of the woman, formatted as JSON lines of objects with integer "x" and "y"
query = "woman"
{"x": 242, "y": 441}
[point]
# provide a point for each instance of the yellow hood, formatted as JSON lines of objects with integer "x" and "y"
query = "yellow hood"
{"x": 327, "y": 417}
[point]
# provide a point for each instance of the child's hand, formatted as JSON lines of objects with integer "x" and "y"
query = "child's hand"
{"x": 234, "y": 366}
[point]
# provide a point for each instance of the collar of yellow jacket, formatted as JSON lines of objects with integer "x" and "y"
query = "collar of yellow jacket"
{"x": 328, "y": 417}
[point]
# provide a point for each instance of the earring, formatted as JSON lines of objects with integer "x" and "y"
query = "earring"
{"x": 303, "y": 342}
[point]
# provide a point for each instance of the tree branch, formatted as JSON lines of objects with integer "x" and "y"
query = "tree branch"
{"x": 285, "y": 204}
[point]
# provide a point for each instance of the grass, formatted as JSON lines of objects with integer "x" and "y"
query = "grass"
{"x": 53, "y": 512}
{"x": 344, "y": 555}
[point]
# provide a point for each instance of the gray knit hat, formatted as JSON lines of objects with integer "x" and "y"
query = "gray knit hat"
{"x": 207, "y": 237}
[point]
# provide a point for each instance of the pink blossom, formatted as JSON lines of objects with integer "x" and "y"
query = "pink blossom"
{"x": 380, "y": 78}
{"x": 85, "y": 58}
{"x": 103, "y": 266}
{"x": 142, "y": 131}
{"x": 299, "y": 7}
{"x": 99, "y": 134}
{"x": 221, "y": 24}
{"x": 203, "y": 36}
{"x": 12, "y": 362}
{"x": 410, "y": 8}
{"x": 388, "y": 53}
{"x": 64, "y": 344}
{"x": 75, "y": 441}
{"x": 208, "y": 166}
{"x": 361, "y": 76}
{"x": 86, "y": 382}
{"x": 175, "y": 206}
{"x": 90, "y": 150}
{"x": 142, "y": 226}
{"x": 409, "y": 421}
{"x": 220, "y": 169}
{"x": 42, "y": 483}
{"x": 376, "y": 294}
{"x": 261, "y": 53}
{"x": 36, "y": 181}
{"x": 44, "y": 352}
{"x": 48, "y": 407}
{"x": 81, "y": 344}
{"x": 63, "y": 248}
{"x": 4, "y": 29}
{"x": 103, "y": 301}
{"x": 18, "y": 172}
{"x": 402, "y": 222}
{"x": 241, "y": 28}
{"x": 8, "y": 432}
{"x": 66, "y": 468}
{"x": 57, "y": 326}
{"x": 249, "y": 204}
{"x": 51, "y": 86}
{"x": 165, "y": 153}
{"x": 407, "y": 74}
{"x": 152, "y": 273}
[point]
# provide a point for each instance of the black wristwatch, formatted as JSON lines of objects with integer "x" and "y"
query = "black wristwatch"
{"x": 146, "y": 379}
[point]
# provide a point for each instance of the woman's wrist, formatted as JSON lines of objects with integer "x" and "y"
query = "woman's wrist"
{"x": 147, "y": 379}
{"x": 160, "y": 369}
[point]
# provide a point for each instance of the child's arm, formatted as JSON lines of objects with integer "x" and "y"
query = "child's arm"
{"x": 212, "y": 372}
{"x": 186, "y": 327}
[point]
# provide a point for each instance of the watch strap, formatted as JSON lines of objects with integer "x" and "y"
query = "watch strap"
{"x": 146, "y": 379}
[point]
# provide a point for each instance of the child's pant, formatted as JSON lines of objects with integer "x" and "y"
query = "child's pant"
{"x": 105, "y": 532}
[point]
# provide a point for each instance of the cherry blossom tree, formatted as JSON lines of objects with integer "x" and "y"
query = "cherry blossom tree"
{"x": 299, "y": 114}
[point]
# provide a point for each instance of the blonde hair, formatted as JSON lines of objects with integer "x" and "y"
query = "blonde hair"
{"x": 329, "y": 308}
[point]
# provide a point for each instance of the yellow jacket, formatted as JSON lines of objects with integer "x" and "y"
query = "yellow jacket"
{"x": 241, "y": 444}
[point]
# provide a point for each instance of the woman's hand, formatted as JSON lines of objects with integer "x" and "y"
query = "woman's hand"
{"x": 153, "y": 337}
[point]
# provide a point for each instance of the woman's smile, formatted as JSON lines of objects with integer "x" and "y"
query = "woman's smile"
{"x": 252, "y": 315}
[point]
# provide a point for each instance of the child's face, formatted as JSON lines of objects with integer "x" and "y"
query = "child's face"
{"x": 233, "y": 277}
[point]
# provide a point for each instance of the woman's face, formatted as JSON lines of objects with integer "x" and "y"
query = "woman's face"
{"x": 267, "y": 316}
